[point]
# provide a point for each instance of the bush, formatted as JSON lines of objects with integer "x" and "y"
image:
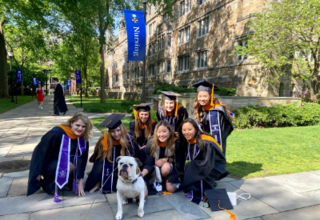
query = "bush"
{"x": 153, "y": 115}
{"x": 277, "y": 116}
{"x": 169, "y": 87}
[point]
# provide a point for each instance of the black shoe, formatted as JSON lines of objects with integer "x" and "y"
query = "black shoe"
{"x": 64, "y": 113}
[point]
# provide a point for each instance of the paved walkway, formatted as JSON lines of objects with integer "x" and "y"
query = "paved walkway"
{"x": 293, "y": 196}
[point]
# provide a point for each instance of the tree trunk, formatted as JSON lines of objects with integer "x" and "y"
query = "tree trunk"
{"x": 4, "y": 92}
{"x": 22, "y": 87}
{"x": 102, "y": 83}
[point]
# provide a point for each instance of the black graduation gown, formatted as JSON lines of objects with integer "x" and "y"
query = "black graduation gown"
{"x": 44, "y": 161}
{"x": 226, "y": 125}
{"x": 208, "y": 166}
{"x": 59, "y": 98}
{"x": 96, "y": 172}
{"x": 182, "y": 114}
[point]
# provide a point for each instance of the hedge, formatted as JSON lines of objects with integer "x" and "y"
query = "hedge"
{"x": 277, "y": 115}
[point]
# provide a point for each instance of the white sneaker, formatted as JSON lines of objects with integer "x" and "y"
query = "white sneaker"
{"x": 157, "y": 185}
{"x": 41, "y": 107}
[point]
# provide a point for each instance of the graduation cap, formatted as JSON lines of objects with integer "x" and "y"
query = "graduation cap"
{"x": 205, "y": 86}
{"x": 144, "y": 107}
{"x": 112, "y": 122}
{"x": 172, "y": 96}
{"x": 219, "y": 200}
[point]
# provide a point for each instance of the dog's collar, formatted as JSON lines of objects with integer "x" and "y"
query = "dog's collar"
{"x": 135, "y": 180}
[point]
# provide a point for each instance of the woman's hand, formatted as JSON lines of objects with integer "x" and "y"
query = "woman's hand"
{"x": 80, "y": 188}
{"x": 160, "y": 162}
{"x": 142, "y": 147}
{"x": 38, "y": 177}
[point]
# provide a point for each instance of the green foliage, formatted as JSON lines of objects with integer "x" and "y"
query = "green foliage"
{"x": 277, "y": 116}
{"x": 285, "y": 39}
{"x": 173, "y": 88}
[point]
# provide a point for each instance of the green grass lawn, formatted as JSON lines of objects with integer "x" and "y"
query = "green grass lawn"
{"x": 274, "y": 151}
{"x": 6, "y": 105}
{"x": 92, "y": 104}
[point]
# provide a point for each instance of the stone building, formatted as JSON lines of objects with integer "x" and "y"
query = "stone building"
{"x": 195, "y": 44}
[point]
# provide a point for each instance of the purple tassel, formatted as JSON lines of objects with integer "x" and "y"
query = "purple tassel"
{"x": 75, "y": 186}
{"x": 189, "y": 196}
{"x": 56, "y": 196}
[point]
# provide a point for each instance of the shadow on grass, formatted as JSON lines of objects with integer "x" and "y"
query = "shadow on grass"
{"x": 242, "y": 169}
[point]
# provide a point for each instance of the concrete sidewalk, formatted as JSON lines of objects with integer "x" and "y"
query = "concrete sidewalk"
{"x": 292, "y": 196}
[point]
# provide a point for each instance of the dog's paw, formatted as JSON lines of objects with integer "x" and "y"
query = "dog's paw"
{"x": 125, "y": 202}
{"x": 118, "y": 216}
{"x": 140, "y": 213}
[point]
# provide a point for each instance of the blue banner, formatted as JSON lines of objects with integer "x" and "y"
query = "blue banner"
{"x": 39, "y": 82}
{"x": 19, "y": 75}
{"x": 34, "y": 80}
{"x": 69, "y": 82}
{"x": 78, "y": 76}
{"x": 136, "y": 35}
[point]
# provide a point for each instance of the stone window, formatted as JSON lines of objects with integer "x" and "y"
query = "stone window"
{"x": 152, "y": 28}
{"x": 242, "y": 43}
{"x": 169, "y": 41}
{"x": 161, "y": 43}
{"x": 183, "y": 63}
{"x": 151, "y": 70}
{"x": 201, "y": 59}
{"x": 203, "y": 27}
{"x": 200, "y": 2}
{"x": 117, "y": 78}
{"x": 151, "y": 9}
{"x": 114, "y": 66}
{"x": 184, "y": 7}
{"x": 151, "y": 49}
{"x": 169, "y": 66}
{"x": 184, "y": 35}
{"x": 137, "y": 73}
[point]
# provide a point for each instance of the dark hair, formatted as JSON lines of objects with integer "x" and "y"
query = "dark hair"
{"x": 55, "y": 79}
{"x": 197, "y": 136}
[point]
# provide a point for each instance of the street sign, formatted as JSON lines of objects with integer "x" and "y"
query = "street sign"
{"x": 69, "y": 82}
{"x": 19, "y": 75}
{"x": 78, "y": 76}
{"x": 34, "y": 80}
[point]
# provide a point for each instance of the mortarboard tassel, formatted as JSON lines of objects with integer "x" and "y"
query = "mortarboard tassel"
{"x": 135, "y": 113}
{"x": 105, "y": 140}
{"x": 177, "y": 105}
{"x": 212, "y": 94}
{"x": 232, "y": 216}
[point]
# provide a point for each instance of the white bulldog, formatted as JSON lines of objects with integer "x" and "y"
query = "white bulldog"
{"x": 130, "y": 184}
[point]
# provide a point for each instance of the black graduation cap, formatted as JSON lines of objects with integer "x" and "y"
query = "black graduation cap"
{"x": 170, "y": 95}
{"x": 203, "y": 85}
{"x": 216, "y": 195}
{"x": 113, "y": 121}
{"x": 145, "y": 107}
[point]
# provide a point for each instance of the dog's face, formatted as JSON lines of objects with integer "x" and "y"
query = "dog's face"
{"x": 127, "y": 167}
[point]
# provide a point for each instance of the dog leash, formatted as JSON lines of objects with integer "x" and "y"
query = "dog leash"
{"x": 98, "y": 193}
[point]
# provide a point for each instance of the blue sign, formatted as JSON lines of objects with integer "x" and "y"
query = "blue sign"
{"x": 39, "y": 82}
{"x": 69, "y": 82}
{"x": 19, "y": 75}
{"x": 34, "y": 80}
{"x": 136, "y": 35}
{"x": 78, "y": 76}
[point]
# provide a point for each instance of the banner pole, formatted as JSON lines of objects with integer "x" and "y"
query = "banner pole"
{"x": 144, "y": 60}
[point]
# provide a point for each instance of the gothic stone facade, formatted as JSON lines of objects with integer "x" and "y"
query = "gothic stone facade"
{"x": 195, "y": 44}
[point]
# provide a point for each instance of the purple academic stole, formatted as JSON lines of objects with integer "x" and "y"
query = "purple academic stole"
{"x": 172, "y": 120}
{"x": 62, "y": 171}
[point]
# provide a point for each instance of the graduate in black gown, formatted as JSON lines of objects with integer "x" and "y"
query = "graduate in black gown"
{"x": 211, "y": 114}
{"x": 160, "y": 153}
{"x": 59, "y": 160}
{"x": 199, "y": 162}
{"x": 114, "y": 143}
{"x": 171, "y": 110}
{"x": 59, "y": 102}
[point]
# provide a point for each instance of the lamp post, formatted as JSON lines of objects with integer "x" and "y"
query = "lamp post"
{"x": 10, "y": 54}
{"x": 45, "y": 73}
{"x": 144, "y": 60}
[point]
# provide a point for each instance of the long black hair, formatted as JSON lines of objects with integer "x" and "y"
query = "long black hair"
{"x": 197, "y": 136}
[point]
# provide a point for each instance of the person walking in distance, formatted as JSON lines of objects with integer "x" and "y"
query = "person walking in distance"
{"x": 40, "y": 96}
{"x": 59, "y": 103}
